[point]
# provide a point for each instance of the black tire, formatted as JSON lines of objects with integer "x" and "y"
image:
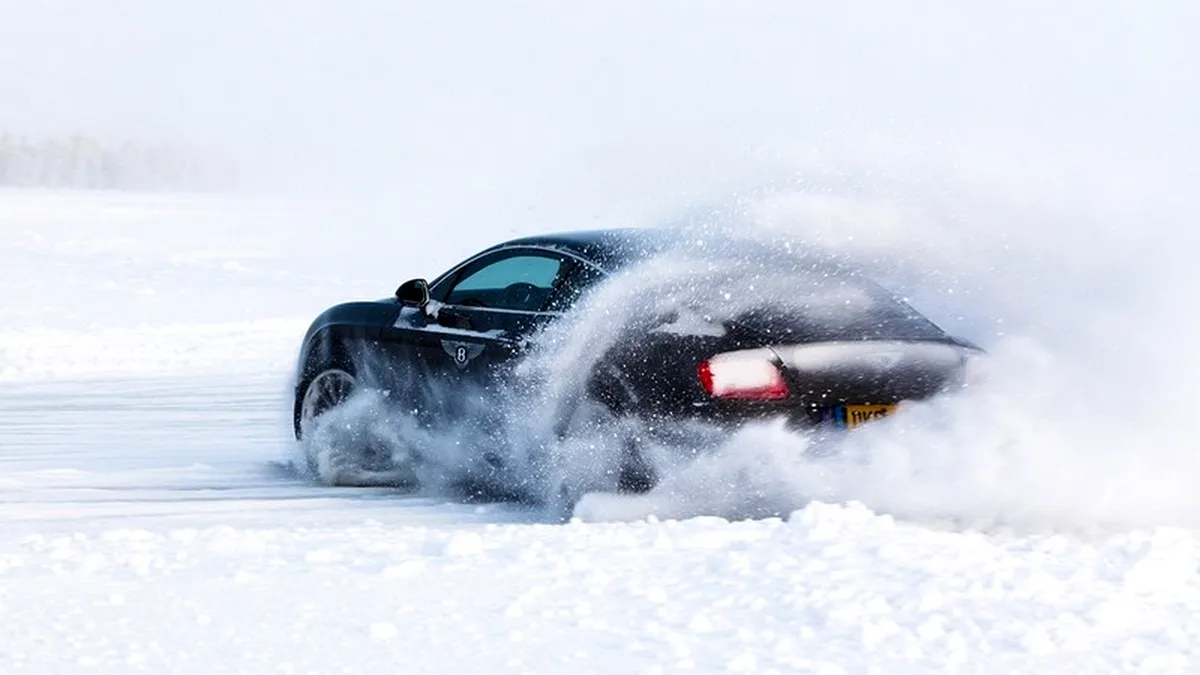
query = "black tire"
{"x": 336, "y": 370}
{"x": 320, "y": 391}
{"x": 609, "y": 389}
{"x": 357, "y": 461}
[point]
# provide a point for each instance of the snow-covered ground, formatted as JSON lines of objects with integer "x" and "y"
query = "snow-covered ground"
{"x": 148, "y": 522}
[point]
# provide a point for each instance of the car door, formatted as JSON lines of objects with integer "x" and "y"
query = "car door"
{"x": 478, "y": 320}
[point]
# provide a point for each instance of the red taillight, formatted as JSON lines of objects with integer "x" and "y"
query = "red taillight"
{"x": 744, "y": 375}
{"x": 706, "y": 378}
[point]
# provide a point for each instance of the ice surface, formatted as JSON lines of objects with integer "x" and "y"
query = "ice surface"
{"x": 148, "y": 521}
{"x": 1024, "y": 174}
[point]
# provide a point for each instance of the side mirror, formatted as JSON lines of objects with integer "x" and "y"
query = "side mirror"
{"x": 414, "y": 292}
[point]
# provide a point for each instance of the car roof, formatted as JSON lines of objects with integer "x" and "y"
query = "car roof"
{"x": 612, "y": 249}
{"x": 609, "y": 248}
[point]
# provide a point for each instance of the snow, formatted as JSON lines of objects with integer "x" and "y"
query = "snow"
{"x": 1033, "y": 193}
{"x": 690, "y": 322}
{"x": 46, "y": 353}
{"x": 835, "y": 588}
{"x": 149, "y": 523}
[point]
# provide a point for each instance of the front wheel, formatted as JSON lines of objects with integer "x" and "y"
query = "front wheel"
{"x": 354, "y": 447}
{"x": 322, "y": 392}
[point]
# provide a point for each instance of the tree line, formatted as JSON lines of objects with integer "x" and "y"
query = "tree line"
{"x": 81, "y": 162}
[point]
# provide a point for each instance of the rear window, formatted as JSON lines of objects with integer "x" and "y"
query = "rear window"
{"x": 839, "y": 309}
{"x": 785, "y": 292}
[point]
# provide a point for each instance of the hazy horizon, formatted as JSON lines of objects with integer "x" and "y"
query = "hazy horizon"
{"x": 533, "y": 101}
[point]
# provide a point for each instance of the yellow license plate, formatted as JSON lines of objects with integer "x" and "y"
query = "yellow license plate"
{"x": 861, "y": 414}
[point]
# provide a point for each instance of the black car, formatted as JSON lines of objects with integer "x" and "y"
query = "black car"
{"x": 714, "y": 331}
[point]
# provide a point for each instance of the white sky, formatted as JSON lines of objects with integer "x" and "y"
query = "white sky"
{"x": 522, "y": 90}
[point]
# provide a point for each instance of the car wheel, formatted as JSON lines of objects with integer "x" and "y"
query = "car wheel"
{"x": 323, "y": 389}
{"x": 609, "y": 389}
{"x": 349, "y": 453}
{"x": 321, "y": 392}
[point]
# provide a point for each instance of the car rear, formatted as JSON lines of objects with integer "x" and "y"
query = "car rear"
{"x": 837, "y": 383}
{"x": 831, "y": 348}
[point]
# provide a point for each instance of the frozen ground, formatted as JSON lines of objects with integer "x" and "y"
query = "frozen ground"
{"x": 147, "y": 523}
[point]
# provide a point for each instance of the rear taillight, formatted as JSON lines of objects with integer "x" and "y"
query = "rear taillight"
{"x": 743, "y": 375}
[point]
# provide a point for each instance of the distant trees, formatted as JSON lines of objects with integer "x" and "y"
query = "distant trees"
{"x": 80, "y": 162}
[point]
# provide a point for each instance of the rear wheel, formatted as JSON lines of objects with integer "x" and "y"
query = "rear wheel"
{"x": 608, "y": 389}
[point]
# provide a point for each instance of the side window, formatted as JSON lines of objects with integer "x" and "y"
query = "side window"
{"x": 522, "y": 281}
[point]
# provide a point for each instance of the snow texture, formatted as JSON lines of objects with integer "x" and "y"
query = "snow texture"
{"x": 150, "y": 524}
{"x": 1024, "y": 174}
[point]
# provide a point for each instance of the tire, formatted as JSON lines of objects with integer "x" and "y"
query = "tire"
{"x": 321, "y": 391}
{"x": 608, "y": 388}
{"x": 345, "y": 461}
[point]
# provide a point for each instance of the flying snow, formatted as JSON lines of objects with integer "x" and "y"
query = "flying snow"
{"x": 1079, "y": 423}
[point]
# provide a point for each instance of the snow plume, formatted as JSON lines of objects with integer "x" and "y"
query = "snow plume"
{"x": 1082, "y": 423}
{"x": 1080, "y": 294}
{"x": 1084, "y": 419}
{"x": 378, "y": 438}
{"x": 537, "y": 435}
